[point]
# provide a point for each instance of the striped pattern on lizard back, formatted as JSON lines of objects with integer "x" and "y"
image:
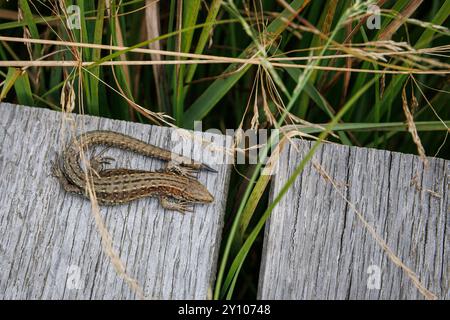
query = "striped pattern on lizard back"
{"x": 175, "y": 187}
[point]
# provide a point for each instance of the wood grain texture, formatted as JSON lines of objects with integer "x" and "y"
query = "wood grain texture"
{"x": 315, "y": 246}
{"x": 47, "y": 235}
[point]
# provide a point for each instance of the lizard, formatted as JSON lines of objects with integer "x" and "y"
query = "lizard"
{"x": 175, "y": 186}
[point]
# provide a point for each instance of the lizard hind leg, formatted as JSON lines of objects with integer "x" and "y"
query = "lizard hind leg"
{"x": 180, "y": 206}
{"x": 58, "y": 173}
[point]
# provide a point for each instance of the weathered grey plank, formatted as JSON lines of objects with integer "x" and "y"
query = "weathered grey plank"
{"x": 315, "y": 247}
{"x": 44, "y": 231}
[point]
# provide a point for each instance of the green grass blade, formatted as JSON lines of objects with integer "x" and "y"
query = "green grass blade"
{"x": 29, "y": 21}
{"x": 97, "y": 39}
{"x": 10, "y": 79}
{"x": 204, "y": 36}
{"x": 82, "y": 35}
{"x": 250, "y": 207}
{"x": 190, "y": 13}
{"x": 441, "y": 16}
{"x": 23, "y": 90}
{"x": 328, "y": 10}
{"x": 20, "y": 24}
{"x": 191, "y": 9}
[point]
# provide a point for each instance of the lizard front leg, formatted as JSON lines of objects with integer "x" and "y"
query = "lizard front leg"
{"x": 174, "y": 167}
{"x": 180, "y": 206}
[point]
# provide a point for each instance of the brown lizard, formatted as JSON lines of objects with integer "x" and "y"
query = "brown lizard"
{"x": 175, "y": 186}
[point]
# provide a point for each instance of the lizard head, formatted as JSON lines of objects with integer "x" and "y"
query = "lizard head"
{"x": 197, "y": 192}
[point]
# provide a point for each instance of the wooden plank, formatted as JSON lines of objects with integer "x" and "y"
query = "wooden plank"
{"x": 316, "y": 247}
{"x": 48, "y": 238}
